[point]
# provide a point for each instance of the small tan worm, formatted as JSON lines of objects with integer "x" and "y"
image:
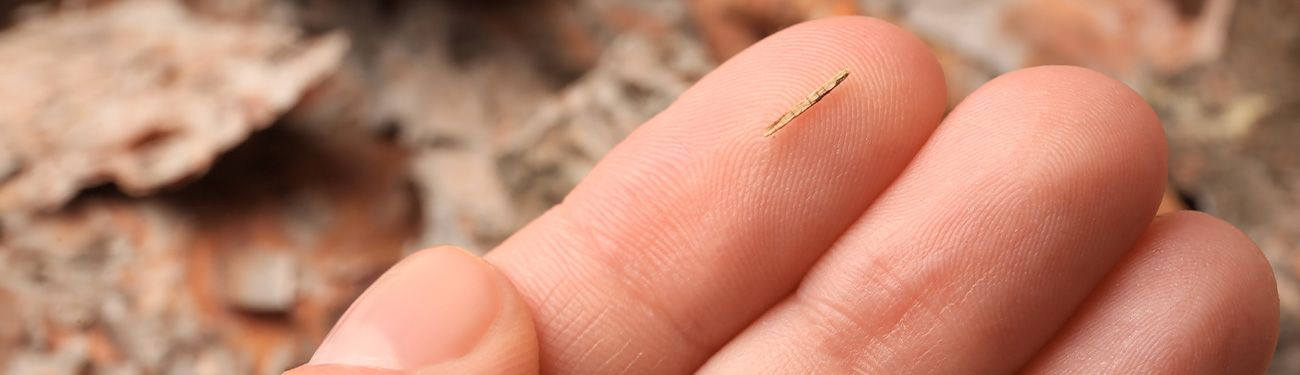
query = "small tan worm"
{"x": 806, "y": 103}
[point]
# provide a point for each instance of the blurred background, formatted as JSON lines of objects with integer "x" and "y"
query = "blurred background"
{"x": 203, "y": 186}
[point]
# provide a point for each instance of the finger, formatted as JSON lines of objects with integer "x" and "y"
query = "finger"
{"x": 1022, "y": 200}
{"x": 696, "y": 223}
{"x": 1195, "y": 296}
{"x": 439, "y": 311}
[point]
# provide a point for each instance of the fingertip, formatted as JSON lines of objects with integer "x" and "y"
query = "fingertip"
{"x": 1082, "y": 137}
{"x": 1096, "y": 105}
{"x": 894, "y": 78}
{"x": 1195, "y": 295}
{"x": 864, "y": 38}
{"x": 1249, "y": 309}
{"x": 1220, "y": 243}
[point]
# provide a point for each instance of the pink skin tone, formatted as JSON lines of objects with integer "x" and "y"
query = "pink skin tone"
{"x": 875, "y": 234}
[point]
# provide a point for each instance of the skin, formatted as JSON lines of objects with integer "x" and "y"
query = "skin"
{"x": 875, "y": 234}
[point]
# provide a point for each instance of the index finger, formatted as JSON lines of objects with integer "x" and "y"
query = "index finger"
{"x": 696, "y": 224}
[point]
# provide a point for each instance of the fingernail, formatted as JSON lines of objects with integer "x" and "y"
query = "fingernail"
{"x": 431, "y": 307}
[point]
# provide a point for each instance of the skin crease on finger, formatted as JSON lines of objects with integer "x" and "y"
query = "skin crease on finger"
{"x": 697, "y": 224}
{"x": 1023, "y": 199}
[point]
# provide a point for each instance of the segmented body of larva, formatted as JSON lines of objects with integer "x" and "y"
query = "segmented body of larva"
{"x": 806, "y": 103}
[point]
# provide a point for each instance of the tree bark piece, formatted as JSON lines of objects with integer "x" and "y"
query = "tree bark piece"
{"x": 95, "y": 96}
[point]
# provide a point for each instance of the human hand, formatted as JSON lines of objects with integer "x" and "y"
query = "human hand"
{"x": 872, "y": 235}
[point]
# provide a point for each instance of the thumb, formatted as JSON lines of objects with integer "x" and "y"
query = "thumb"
{"x": 439, "y": 311}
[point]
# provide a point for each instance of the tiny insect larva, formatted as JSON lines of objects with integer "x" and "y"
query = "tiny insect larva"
{"x": 806, "y": 103}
